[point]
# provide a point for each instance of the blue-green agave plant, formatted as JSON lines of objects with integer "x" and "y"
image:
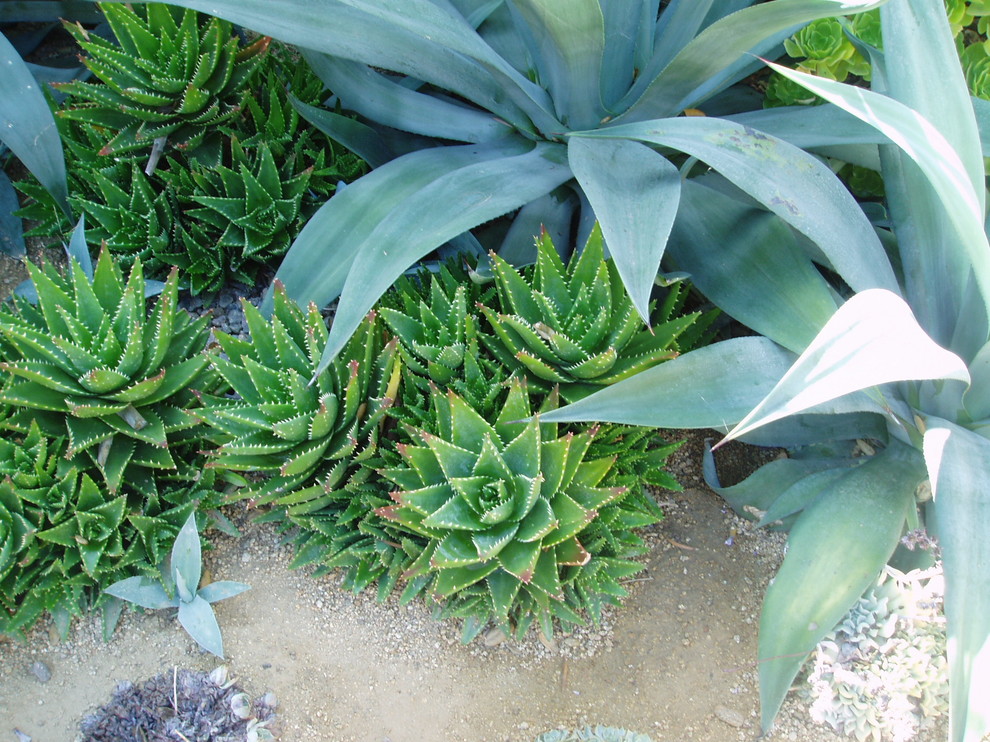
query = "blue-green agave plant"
{"x": 556, "y": 108}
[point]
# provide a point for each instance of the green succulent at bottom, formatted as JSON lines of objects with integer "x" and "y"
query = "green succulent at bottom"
{"x": 63, "y": 536}
{"x": 592, "y": 734}
{"x": 515, "y": 519}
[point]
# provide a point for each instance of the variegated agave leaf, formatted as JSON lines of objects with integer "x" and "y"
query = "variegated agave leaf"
{"x": 89, "y": 363}
{"x": 508, "y": 512}
{"x": 172, "y": 75}
{"x": 575, "y": 325}
{"x": 309, "y": 441}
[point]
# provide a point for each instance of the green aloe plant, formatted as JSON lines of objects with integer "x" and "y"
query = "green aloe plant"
{"x": 63, "y": 536}
{"x": 235, "y": 219}
{"x": 171, "y": 75}
{"x": 89, "y": 363}
{"x": 307, "y": 441}
{"x": 575, "y": 325}
{"x": 516, "y": 522}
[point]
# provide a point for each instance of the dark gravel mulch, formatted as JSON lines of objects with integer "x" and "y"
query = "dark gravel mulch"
{"x": 177, "y": 706}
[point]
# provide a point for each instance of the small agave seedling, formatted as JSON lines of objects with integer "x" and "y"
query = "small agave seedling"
{"x": 90, "y": 364}
{"x": 172, "y": 75}
{"x": 308, "y": 440}
{"x": 506, "y": 510}
{"x": 576, "y": 325}
{"x": 180, "y": 589}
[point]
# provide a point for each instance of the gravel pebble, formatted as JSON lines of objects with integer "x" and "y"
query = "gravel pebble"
{"x": 41, "y": 671}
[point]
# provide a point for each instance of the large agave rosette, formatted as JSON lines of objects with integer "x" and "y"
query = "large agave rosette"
{"x": 505, "y": 509}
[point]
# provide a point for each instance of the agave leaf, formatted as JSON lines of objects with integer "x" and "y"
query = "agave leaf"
{"x": 835, "y": 550}
{"x": 374, "y": 96}
{"x": 11, "y": 228}
{"x": 198, "y": 619}
{"x": 957, "y": 461}
{"x": 353, "y": 213}
{"x": 453, "y": 203}
{"x": 635, "y": 193}
{"x": 812, "y": 127}
{"x": 359, "y": 138}
{"x": 27, "y": 126}
{"x": 222, "y": 590}
{"x": 186, "y": 558}
{"x": 793, "y": 184}
{"x": 570, "y": 45}
{"x": 718, "y": 55}
{"x": 141, "y": 591}
{"x": 872, "y": 339}
{"x": 695, "y": 392}
{"x": 925, "y": 144}
{"x": 726, "y": 245}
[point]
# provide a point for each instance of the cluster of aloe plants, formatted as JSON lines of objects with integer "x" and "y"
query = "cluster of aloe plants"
{"x": 99, "y": 460}
{"x": 184, "y": 149}
{"x": 408, "y": 460}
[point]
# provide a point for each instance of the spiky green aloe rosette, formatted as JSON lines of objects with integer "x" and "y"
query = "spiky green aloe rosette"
{"x": 575, "y": 325}
{"x": 63, "y": 536}
{"x": 88, "y": 363}
{"x": 308, "y": 441}
{"x": 508, "y": 512}
{"x": 172, "y": 74}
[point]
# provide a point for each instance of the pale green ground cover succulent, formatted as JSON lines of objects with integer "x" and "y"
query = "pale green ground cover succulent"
{"x": 881, "y": 674}
{"x": 592, "y": 734}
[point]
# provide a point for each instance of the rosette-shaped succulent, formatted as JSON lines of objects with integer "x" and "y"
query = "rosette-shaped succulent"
{"x": 506, "y": 510}
{"x": 825, "y": 50}
{"x": 135, "y": 222}
{"x": 172, "y": 74}
{"x": 235, "y": 218}
{"x": 309, "y": 441}
{"x": 433, "y": 317}
{"x": 576, "y": 325}
{"x": 89, "y": 363}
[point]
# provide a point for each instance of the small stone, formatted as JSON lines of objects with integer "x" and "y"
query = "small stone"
{"x": 549, "y": 643}
{"x": 730, "y": 717}
{"x": 41, "y": 671}
{"x": 494, "y": 637}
